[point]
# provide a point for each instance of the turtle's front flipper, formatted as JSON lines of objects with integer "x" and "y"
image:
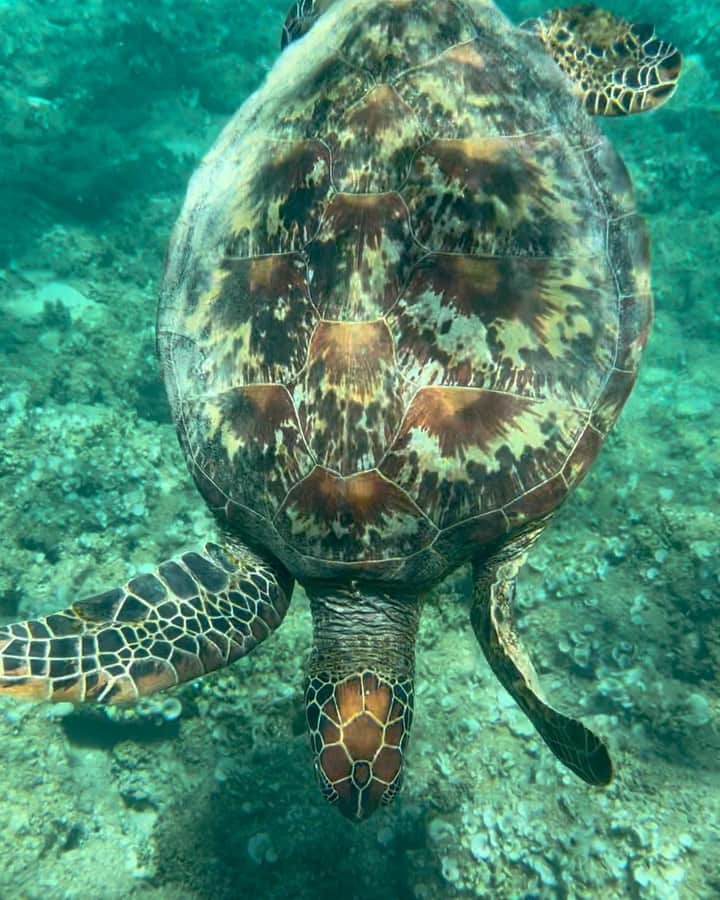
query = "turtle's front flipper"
{"x": 573, "y": 744}
{"x": 190, "y": 616}
{"x": 617, "y": 67}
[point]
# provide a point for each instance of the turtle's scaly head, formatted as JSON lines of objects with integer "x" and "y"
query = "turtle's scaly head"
{"x": 359, "y": 727}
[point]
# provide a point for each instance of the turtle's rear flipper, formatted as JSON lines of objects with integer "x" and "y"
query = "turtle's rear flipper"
{"x": 573, "y": 744}
{"x": 190, "y": 616}
{"x": 617, "y": 67}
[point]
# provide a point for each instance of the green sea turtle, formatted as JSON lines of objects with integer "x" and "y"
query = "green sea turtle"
{"x": 403, "y": 306}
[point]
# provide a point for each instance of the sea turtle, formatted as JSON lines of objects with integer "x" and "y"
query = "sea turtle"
{"x": 403, "y": 306}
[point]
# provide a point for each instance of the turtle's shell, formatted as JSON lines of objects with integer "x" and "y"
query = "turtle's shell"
{"x": 406, "y": 297}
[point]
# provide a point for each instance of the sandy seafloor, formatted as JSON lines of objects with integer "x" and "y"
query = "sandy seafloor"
{"x": 105, "y": 108}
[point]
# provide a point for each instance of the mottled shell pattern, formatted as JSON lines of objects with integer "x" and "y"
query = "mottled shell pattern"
{"x": 406, "y": 297}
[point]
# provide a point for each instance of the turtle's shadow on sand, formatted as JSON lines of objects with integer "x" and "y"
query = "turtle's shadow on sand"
{"x": 269, "y": 834}
{"x": 89, "y": 727}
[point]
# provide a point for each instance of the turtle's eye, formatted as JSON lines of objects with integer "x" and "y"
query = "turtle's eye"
{"x": 299, "y": 20}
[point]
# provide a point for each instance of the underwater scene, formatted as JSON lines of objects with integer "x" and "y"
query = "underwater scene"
{"x": 393, "y": 343}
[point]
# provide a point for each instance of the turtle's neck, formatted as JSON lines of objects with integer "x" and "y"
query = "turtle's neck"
{"x": 363, "y": 626}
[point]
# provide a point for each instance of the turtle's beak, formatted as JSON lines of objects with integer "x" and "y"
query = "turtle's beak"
{"x": 359, "y": 729}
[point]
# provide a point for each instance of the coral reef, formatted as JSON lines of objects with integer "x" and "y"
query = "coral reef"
{"x": 209, "y": 787}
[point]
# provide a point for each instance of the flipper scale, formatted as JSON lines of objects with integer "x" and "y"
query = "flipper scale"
{"x": 618, "y": 67}
{"x": 190, "y": 616}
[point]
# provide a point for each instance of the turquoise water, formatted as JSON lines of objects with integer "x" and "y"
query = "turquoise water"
{"x": 105, "y": 111}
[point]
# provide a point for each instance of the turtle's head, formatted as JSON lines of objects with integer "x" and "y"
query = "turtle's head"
{"x": 301, "y": 17}
{"x": 359, "y": 727}
{"x": 359, "y": 700}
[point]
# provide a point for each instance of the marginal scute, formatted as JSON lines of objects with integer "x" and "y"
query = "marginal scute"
{"x": 629, "y": 253}
{"x": 582, "y": 456}
{"x": 477, "y": 535}
{"x": 636, "y": 315}
{"x": 537, "y": 502}
{"x": 215, "y": 498}
{"x": 609, "y": 176}
{"x": 612, "y": 400}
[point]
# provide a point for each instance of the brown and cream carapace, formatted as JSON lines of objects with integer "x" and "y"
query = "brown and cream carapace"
{"x": 404, "y": 304}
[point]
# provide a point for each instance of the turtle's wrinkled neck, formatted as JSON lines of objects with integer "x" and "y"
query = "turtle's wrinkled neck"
{"x": 354, "y": 625}
{"x": 360, "y": 694}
